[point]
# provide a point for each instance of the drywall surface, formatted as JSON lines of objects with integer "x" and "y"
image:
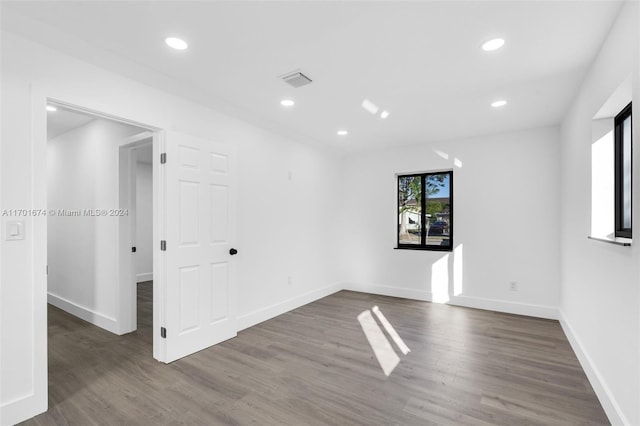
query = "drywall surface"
{"x": 82, "y": 246}
{"x": 600, "y": 282}
{"x": 506, "y": 223}
{"x": 144, "y": 222}
{"x": 287, "y": 198}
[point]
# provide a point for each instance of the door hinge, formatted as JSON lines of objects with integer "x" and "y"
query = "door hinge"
{"x": 133, "y": 249}
{"x": 163, "y": 158}
{"x": 47, "y": 270}
{"x": 163, "y": 245}
{"x": 163, "y": 332}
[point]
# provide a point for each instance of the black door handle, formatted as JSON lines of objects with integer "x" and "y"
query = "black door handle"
{"x": 233, "y": 251}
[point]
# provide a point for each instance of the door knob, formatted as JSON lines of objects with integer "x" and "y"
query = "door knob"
{"x": 233, "y": 251}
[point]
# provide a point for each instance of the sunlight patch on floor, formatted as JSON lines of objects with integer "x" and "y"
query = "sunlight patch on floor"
{"x": 380, "y": 344}
{"x": 391, "y": 331}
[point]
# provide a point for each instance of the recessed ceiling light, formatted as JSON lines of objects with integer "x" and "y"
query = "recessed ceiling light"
{"x": 498, "y": 104}
{"x": 176, "y": 43}
{"x": 493, "y": 44}
{"x": 287, "y": 102}
{"x": 342, "y": 133}
{"x": 370, "y": 106}
{"x": 384, "y": 114}
{"x": 51, "y": 108}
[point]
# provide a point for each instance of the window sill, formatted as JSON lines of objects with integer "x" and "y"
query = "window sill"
{"x": 625, "y": 242}
{"x": 423, "y": 248}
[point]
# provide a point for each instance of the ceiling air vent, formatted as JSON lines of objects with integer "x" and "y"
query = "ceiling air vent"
{"x": 296, "y": 79}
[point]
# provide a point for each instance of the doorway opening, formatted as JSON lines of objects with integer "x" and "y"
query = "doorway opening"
{"x": 100, "y": 229}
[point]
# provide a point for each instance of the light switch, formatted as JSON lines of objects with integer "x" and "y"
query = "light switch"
{"x": 14, "y": 230}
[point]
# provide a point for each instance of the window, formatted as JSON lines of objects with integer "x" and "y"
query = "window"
{"x": 425, "y": 211}
{"x": 623, "y": 170}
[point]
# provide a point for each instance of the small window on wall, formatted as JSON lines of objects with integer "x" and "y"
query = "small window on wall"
{"x": 425, "y": 211}
{"x": 623, "y": 172}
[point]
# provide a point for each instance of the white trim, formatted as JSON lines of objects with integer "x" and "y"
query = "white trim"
{"x": 147, "y": 134}
{"x": 127, "y": 303}
{"x": 113, "y": 109}
{"x": 272, "y": 311}
{"x": 144, "y": 277}
{"x": 39, "y": 399}
{"x": 159, "y": 185}
{"x": 530, "y": 310}
{"x": 604, "y": 394}
{"x": 127, "y": 170}
{"x": 404, "y": 293}
{"x": 93, "y": 317}
{"x": 539, "y": 311}
{"x": 266, "y": 313}
{"x": 21, "y": 409}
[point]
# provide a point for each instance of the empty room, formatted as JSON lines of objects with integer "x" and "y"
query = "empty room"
{"x": 319, "y": 212}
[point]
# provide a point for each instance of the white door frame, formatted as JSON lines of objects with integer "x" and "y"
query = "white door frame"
{"x": 116, "y": 110}
{"x": 127, "y": 295}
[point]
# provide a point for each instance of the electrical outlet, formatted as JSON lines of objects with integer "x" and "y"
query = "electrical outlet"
{"x": 513, "y": 286}
{"x": 289, "y": 280}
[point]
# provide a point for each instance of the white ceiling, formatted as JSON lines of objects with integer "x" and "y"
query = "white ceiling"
{"x": 65, "y": 120}
{"x": 421, "y": 60}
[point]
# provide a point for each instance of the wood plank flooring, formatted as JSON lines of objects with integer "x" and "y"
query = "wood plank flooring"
{"x": 315, "y": 366}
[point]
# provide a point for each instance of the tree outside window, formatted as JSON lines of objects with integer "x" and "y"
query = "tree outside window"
{"x": 425, "y": 214}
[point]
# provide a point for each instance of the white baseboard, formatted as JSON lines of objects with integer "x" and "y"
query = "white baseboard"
{"x": 272, "y": 311}
{"x": 140, "y": 278}
{"x": 609, "y": 404}
{"x": 538, "y": 311}
{"x": 404, "y": 293}
{"x": 530, "y": 310}
{"x": 95, "y": 318}
{"x": 23, "y": 408}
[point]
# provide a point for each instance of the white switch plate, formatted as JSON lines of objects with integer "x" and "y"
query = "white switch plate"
{"x": 14, "y": 230}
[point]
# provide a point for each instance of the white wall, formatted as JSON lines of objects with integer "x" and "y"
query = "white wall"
{"x": 286, "y": 227}
{"x": 23, "y": 359}
{"x": 511, "y": 179}
{"x": 506, "y": 221}
{"x": 82, "y": 168}
{"x": 600, "y": 282}
{"x": 290, "y": 214}
{"x": 144, "y": 222}
{"x": 602, "y": 178}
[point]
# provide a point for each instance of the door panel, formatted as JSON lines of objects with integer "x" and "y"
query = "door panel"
{"x": 219, "y": 218}
{"x": 200, "y": 209}
{"x": 188, "y": 221}
{"x": 189, "y": 307}
{"x": 219, "y": 291}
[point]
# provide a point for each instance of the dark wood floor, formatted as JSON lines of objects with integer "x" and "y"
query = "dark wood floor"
{"x": 314, "y": 366}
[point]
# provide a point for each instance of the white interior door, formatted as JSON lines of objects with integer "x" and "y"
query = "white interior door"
{"x": 199, "y": 289}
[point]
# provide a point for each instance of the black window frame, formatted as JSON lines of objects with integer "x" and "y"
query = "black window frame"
{"x": 423, "y": 210}
{"x": 620, "y": 230}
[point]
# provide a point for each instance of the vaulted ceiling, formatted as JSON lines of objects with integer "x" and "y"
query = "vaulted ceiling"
{"x": 421, "y": 61}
